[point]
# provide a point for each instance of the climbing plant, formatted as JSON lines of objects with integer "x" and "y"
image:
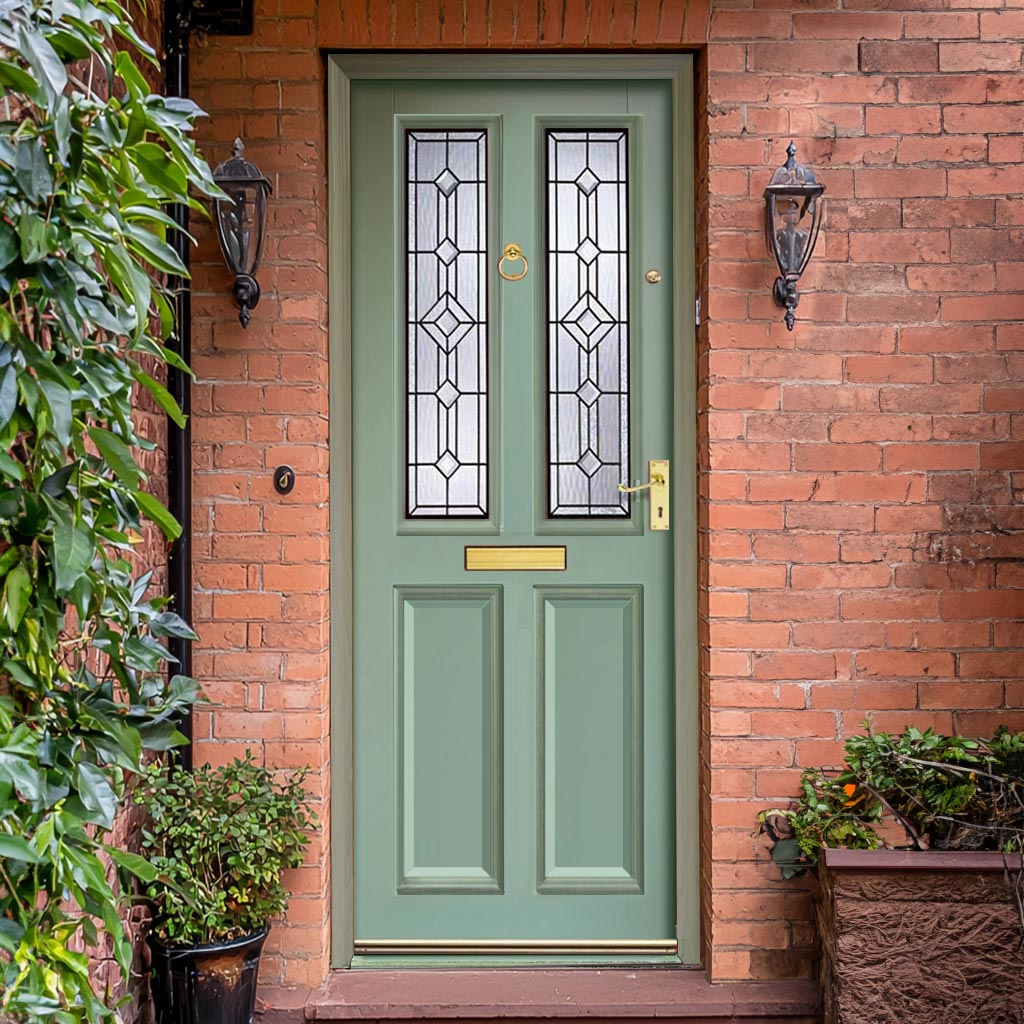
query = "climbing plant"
{"x": 89, "y": 160}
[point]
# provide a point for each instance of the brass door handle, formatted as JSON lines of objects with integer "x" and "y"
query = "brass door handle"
{"x": 658, "y": 485}
{"x": 656, "y": 481}
{"x": 512, "y": 253}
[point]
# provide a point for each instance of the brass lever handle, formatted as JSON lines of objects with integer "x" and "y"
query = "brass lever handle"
{"x": 660, "y": 493}
{"x": 657, "y": 480}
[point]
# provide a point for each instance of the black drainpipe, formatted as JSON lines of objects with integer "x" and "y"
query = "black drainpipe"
{"x": 179, "y": 439}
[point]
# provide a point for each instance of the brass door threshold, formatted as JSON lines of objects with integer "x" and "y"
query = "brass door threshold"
{"x": 516, "y": 947}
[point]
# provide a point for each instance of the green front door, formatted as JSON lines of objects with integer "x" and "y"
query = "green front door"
{"x": 514, "y": 751}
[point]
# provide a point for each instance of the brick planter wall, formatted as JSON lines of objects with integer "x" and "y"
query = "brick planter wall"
{"x": 860, "y": 477}
{"x": 951, "y": 937}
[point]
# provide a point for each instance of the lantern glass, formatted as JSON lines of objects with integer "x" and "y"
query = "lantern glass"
{"x": 240, "y": 225}
{"x": 794, "y": 224}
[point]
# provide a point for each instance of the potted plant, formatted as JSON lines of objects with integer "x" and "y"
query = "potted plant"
{"x": 916, "y": 843}
{"x": 217, "y": 842}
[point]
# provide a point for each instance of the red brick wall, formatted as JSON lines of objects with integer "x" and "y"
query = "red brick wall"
{"x": 860, "y": 512}
{"x": 859, "y": 518}
{"x": 260, "y": 400}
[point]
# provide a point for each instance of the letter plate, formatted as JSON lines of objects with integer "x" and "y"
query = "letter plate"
{"x": 508, "y": 557}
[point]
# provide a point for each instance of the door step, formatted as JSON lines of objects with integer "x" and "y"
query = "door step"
{"x": 601, "y": 995}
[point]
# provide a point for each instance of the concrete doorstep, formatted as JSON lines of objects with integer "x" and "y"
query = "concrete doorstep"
{"x": 535, "y": 995}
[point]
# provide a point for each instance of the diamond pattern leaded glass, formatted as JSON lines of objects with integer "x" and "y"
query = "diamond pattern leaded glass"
{"x": 446, "y": 324}
{"x": 587, "y": 323}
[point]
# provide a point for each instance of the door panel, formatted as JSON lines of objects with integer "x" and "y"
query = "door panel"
{"x": 591, "y": 738}
{"x": 449, "y": 667}
{"x": 513, "y": 729}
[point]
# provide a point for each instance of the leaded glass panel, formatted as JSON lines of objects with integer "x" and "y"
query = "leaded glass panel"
{"x": 587, "y": 323}
{"x": 447, "y": 441}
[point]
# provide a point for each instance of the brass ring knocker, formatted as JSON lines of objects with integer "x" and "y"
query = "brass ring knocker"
{"x": 513, "y": 252}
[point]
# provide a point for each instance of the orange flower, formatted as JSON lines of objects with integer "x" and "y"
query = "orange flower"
{"x": 849, "y": 789}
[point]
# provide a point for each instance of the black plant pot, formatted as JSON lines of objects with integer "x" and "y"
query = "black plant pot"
{"x": 212, "y": 984}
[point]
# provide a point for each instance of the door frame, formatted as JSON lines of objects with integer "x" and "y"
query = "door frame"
{"x": 678, "y": 69}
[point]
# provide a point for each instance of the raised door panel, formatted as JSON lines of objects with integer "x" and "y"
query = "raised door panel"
{"x": 590, "y": 705}
{"x": 449, "y": 771}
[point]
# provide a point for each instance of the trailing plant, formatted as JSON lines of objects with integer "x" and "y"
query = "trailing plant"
{"x": 219, "y": 839}
{"x": 942, "y": 792}
{"x": 88, "y": 160}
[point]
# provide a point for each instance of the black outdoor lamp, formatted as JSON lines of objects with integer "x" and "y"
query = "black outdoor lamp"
{"x": 790, "y": 196}
{"x": 241, "y": 224}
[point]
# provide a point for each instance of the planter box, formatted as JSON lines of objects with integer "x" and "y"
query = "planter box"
{"x": 920, "y": 936}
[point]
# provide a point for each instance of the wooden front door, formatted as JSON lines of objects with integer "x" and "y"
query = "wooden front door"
{"x": 513, "y": 608}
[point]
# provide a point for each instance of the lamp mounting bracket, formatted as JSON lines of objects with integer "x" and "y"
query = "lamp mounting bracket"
{"x": 223, "y": 17}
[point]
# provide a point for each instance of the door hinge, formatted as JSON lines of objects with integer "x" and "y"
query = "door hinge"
{"x": 696, "y": 317}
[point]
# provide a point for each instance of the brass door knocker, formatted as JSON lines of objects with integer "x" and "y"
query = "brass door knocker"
{"x": 512, "y": 253}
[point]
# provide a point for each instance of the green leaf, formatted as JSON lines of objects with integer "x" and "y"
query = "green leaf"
{"x": 42, "y": 58}
{"x": 173, "y": 359}
{"x": 45, "y": 750}
{"x": 17, "y": 79}
{"x": 8, "y": 560}
{"x": 155, "y": 511}
{"x": 96, "y": 793}
{"x": 144, "y": 653}
{"x": 32, "y": 170}
{"x": 73, "y": 550}
{"x": 58, "y": 398}
{"x": 170, "y": 624}
{"x": 19, "y": 772}
{"x": 10, "y": 934}
{"x": 100, "y": 315}
{"x": 17, "y": 590}
{"x": 166, "y": 313}
{"x": 130, "y": 74}
{"x": 10, "y": 468}
{"x": 788, "y": 857}
{"x": 163, "y": 397}
{"x": 56, "y": 484}
{"x": 88, "y": 870}
{"x": 161, "y": 736}
{"x": 147, "y": 246}
{"x": 158, "y": 169}
{"x": 138, "y": 866}
{"x": 16, "y": 848}
{"x": 117, "y": 455}
{"x": 131, "y": 282}
{"x": 8, "y": 396}
{"x": 32, "y": 232}
{"x": 18, "y": 673}
{"x": 8, "y": 245}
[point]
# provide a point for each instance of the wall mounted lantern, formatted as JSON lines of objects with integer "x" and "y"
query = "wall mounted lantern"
{"x": 791, "y": 195}
{"x": 241, "y": 223}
